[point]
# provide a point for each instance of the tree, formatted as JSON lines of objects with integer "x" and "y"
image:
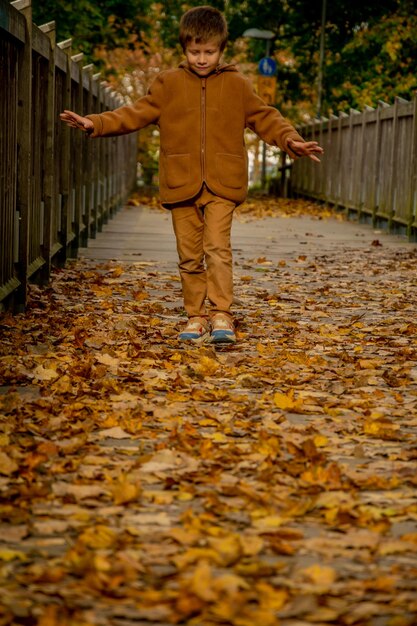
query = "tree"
{"x": 296, "y": 46}
{"x": 382, "y": 63}
{"x": 109, "y": 23}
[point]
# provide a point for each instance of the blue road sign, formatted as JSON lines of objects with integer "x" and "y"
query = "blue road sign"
{"x": 267, "y": 66}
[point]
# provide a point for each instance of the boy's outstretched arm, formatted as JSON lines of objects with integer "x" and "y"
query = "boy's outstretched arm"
{"x": 306, "y": 148}
{"x": 77, "y": 121}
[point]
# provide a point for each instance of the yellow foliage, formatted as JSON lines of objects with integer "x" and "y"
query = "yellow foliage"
{"x": 286, "y": 401}
{"x": 98, "y": 537}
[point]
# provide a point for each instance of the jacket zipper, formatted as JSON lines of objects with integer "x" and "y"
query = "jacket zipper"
{"x": 203, "y": 128}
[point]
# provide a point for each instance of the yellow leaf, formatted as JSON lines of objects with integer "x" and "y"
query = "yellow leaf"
{"x": 201, "y": 582}
{"x": 10, "y": 555}
{"x": 159, "y": 497}
{"x": 225, "y": 611}
{"x": 286, "y": 401}
{"x": 253, "y": 615}
{"x": 270, "y": 597}
{"x": 320, "y": 574}
{"x": 184, "y": 536}
{"x": 229, "y": 548}
{"x": 101, "y": 563}
{"x": 384, "y": 429}
{"x": 369, "y": 364}
{"x": 117, "y": 271}
{"x": 319, "y": 475}
{"x": 7, "y": 465}
{"x": 124, "y": 491}
{"x": 268, "y": 522}
{"x": 176, "y": 396}
{"x": 98, "y": 537}
{"x": 219, "y": 437}
{"x": 269, "y": 446}
{"x": 185, "y": 496}
{"x": 193, "y": 555}
{"x": 107, "y": 359}
{"x": 42, "y": 373}
{"x": 251, "y": 545}
{"x": 320, "y": 441}
{"x": 230, "y": 583}
{"x": 392, "y": 48}
{"x": 140, "y": 295}
{"x": 376, "y": 415}
{"x": 396, "y": 546}
{"x": 207, "y": 366}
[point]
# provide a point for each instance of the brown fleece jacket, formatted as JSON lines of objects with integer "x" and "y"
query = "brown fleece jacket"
{"x": 201, "y": 123}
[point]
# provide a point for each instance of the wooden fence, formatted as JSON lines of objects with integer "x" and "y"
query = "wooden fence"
{"x": 369, "y": 167}
{"x": 57, "y": 187}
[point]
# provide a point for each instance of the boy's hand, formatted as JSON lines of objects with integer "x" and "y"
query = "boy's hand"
{"x": 306, "y": 148}
{"x": 77, "y": 121}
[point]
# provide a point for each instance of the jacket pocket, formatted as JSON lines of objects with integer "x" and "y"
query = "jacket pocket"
{"x": 177, "y": 170}
{"x": 231, "y": 170}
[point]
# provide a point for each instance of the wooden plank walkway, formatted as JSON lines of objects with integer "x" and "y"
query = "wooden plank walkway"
{"x": 140, "y": 233}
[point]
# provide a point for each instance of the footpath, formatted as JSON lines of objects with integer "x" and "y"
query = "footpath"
{"x": 271, "y": 483}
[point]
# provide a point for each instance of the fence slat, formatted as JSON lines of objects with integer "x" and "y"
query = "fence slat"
{"x": 24, "y": 160}
{"x": 48, "y": 182}
{"x": 412, "y": 192}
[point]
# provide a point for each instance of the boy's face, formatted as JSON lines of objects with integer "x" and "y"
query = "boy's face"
{"x": 203, "y": 58}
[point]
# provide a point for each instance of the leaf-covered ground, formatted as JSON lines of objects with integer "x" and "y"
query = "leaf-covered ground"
{"x": 271, "y": 483}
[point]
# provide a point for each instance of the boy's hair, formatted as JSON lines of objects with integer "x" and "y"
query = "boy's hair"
{"x": 201, "y": 24}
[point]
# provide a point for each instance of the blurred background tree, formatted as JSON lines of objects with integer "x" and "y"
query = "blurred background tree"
{"x": 92, "y": 23}
{"x": 369, "y": 49}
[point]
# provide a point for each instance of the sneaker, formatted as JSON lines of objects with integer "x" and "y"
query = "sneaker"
{"x": 196, "y": 331}
{"x": 222, "y": 329}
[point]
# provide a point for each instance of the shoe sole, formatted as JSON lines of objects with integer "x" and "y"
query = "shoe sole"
{"x": 194, "y": 340}
{"x": 223, "y": 338}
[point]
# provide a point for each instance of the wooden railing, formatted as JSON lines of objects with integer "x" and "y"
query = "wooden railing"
{"x": 369, "y": 167}
{"x": 57, "y": 187}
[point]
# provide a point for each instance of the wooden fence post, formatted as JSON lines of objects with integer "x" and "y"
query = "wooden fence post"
{"x": 24, "y": 140}
{"x": 342, "y": 168}
{"x": 392, "y": 167}
{"x": 12, "y": 39}
{"x": 322, "y": 182}
{"x": 108, "y": 93}
{"x": 352, "y": 158}
{"x": 64, "y": 160}
{"x": 48, "y": 183}
{"x": 365, "y": 171}
{"x": 362, "y": 165}
{"x": 87, "y": 75}
{"x": 412, "y": 193}
{"x": 376, "y": 190}
{"x": 95, "y": 156}
{"x": 78, "y": 226}
{"x": 333, "y": 169}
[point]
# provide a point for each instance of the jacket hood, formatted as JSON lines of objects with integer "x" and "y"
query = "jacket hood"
{"x": 222, "y": 67}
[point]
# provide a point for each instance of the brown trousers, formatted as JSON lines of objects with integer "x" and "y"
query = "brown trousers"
{"x": 202, "y": 229}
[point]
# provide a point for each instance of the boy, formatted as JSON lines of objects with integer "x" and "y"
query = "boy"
{"x": 202, "y": 108}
